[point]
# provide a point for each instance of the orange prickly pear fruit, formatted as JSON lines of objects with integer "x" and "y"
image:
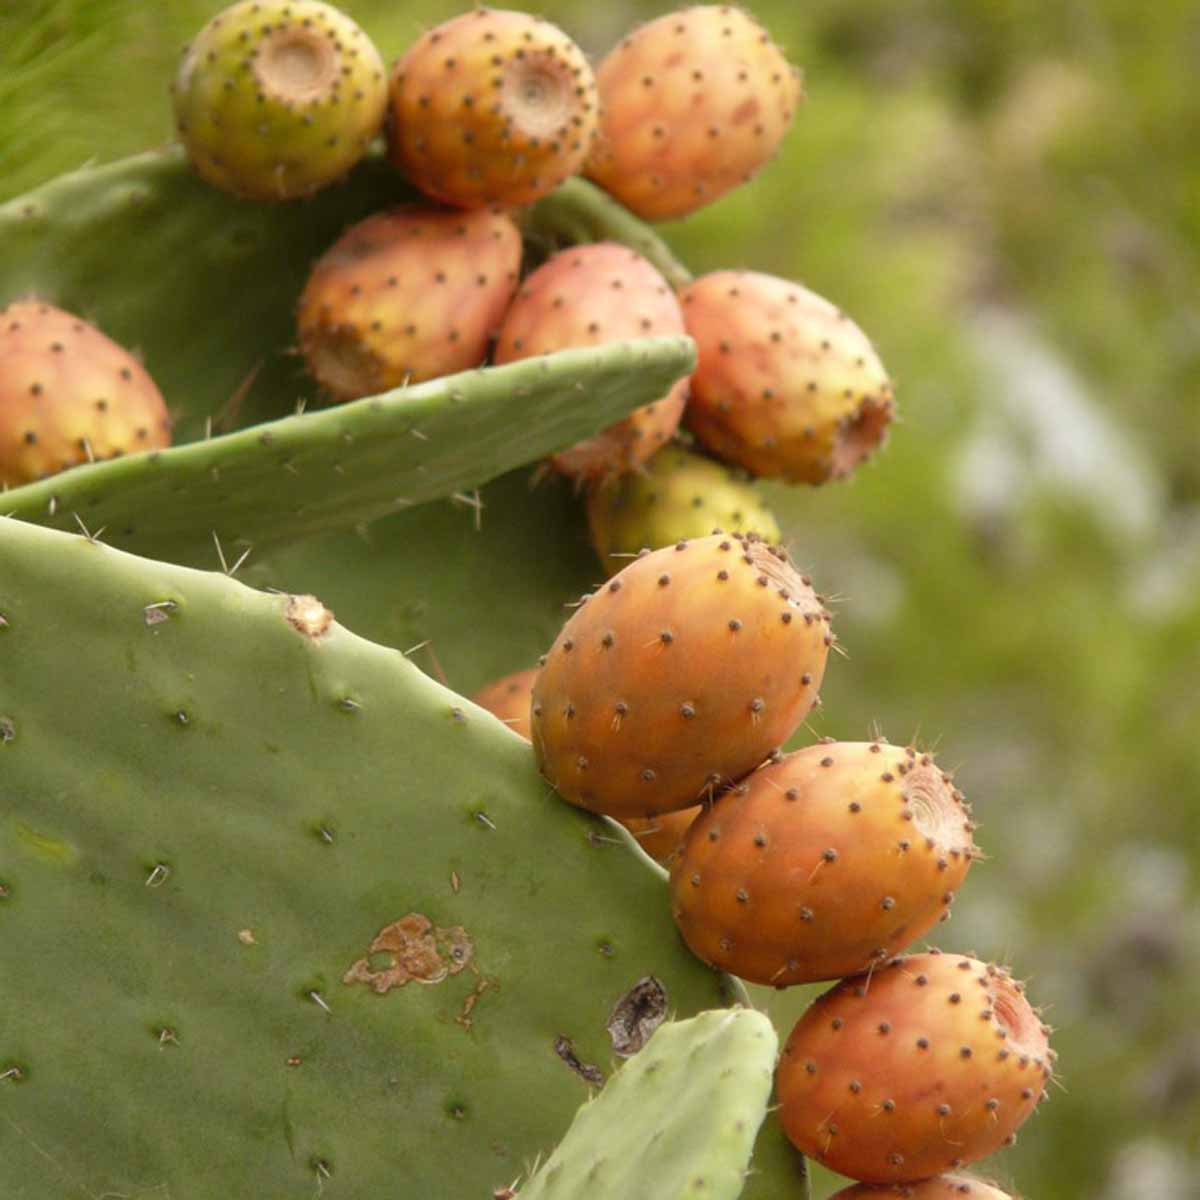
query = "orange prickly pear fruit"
{"x": 509, "y": 700}
{"x": 491, "y": 108}
{"x": 407, "y": 295}
{"x": 943, "y": 1187}
{"x": 69, "y": 395}
{"x": 786, "y": 384}
{"x": 822, "y": 863}
{"x": 679, "y": 676}
{"x": 691, "y": 105}
{"x": 927, "y": 1064}
{"x": 586, "y": 296}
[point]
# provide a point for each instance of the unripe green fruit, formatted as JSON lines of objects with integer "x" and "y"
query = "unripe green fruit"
{"x": 277, "y": 98}
{"x": 677, "y": 494}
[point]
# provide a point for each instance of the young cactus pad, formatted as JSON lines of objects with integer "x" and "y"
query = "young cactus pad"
{"x": 206, "y": 286}
{"x": 228, "y": 807}
{"x": 677, "y": 1121}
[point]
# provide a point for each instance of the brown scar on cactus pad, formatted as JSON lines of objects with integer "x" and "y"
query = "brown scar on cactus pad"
{"x": 69, "y": 395}
{"x": 493, "y": 107}
{"x": 587, "y": 296}
{"x": 822, "y": 863}
{"x": 943, "y": 1187}
{"x": 925, "y": 1065}
{"x": 405, "y": 296}
{"x": 678, "y": 676}
{"x": 415, "y": 949}
{"x": 277, "y": 98}
{"x": 691, "y": 105}
{"x": 308, "y": 616}
{"x": 786, "y": 384}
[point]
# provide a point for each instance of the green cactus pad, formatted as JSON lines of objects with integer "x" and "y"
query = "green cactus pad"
{"x": 677, "y": 1121}
{"x": 205, "y": 286}
{"x": 229, "y": 835}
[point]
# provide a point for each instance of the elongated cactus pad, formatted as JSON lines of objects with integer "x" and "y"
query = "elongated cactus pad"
{"x": 206, "y": 286}
{"x": 270, "y": 924}
{"x": 677, "y": 1121}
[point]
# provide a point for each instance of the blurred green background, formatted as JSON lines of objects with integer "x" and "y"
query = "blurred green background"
{"x": 1005, "y": 194}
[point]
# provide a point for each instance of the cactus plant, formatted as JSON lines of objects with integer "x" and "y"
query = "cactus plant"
{"x": 291, "y": 875}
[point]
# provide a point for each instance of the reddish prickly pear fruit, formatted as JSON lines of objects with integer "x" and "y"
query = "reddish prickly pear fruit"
{"x": 491, "y": 108}
{"x": 822, "y": 863}
{"x": 943, "y": 1187}
{"x": 586, "y": 296}
{"x": 786, "y": 384}
{"x": 927, "y": 1064}
{"x": 407, "y": 295}
{"x": 69, "y": 395}
{"x": 678, "y": 493}
{"x": 678, "y": 676}
{"x": 508, "y": 699}
{"x": 691, "y": 105}
{"x": 277, "y": 98}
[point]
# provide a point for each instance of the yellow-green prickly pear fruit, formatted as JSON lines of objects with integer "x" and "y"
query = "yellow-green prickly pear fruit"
{"x": 678, "y": 493}
{"x": 277, "y": 98}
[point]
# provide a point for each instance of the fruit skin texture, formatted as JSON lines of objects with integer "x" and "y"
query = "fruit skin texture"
{"x": 944, "y": 1187}
{"x": 274, "y": 99}
{"x": 691, "y": 105}
{"x": 410, "y": 294}
{"x": 679, "y": 675}
{"x": 787, "y": 385}
{"x": 493, "y": 107}
{"x": 821, "y": 863}
{"x": 586, "y": 296}
{"x": 676, "y": 494}
{"x": 67, "y": 390}
{"x": 930, "y": 1063}
{"x": 509, "y": 699}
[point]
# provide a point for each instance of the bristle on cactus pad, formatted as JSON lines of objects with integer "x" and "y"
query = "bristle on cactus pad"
{"x": 244, "y": 803}
{"x": 677, "y": 1121}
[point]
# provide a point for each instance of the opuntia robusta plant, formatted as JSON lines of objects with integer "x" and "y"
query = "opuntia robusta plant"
{"x": 587, "y": 296}
{"x": 822, "y": 863}
{"x": 407, "y": 295}
{"x": 927, "y": 1064}
{"x": 494, "y": 107}
{"x": 676, "y": 494}
{"x": 692, "y": 104}
{"x": 69, "y": 395}
{"x": 277, "y": 98}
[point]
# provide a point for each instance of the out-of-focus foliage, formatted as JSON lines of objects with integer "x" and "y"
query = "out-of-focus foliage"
{"x": 1006, "y": 195}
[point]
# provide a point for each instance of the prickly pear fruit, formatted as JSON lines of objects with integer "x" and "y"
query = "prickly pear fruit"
{"x": 691, "y": 105}
{"x": 509, "y": 700}
{"x": 821, "y": 864}
{"x": 943, "y": 1187}
{"x": 277, "y": 98}
{"x": 491, "y": 108}
{"x": 927, "y": 1064}
{"x": 407, "y": 295}
{"x": 69, "y": 395}
{"x": 786, "y": 385}
{"x": 678, "y": 676}
{"x": 678, "y": 493}
{"x": 585, "y": 296}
